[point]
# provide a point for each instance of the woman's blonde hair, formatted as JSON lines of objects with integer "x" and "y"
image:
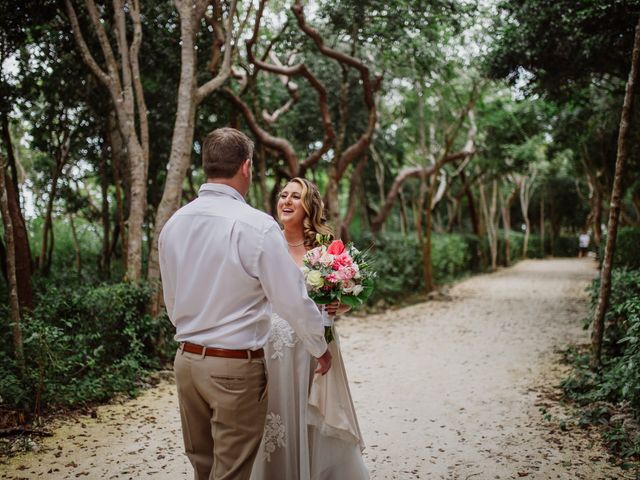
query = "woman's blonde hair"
{"x": 315, "y": 220}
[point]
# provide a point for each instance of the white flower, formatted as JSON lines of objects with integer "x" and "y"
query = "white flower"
{"x": 326, "y": 259}
{"x": 314, "y": 278}
{"x": 357, "y": 290}
{"x": 357, "y": 276}
{"x": 348, "y": 287}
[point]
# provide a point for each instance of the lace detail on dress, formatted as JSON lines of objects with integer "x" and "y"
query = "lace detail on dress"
{"x": 281, "y": 335}
{"x": 274, "y": 433}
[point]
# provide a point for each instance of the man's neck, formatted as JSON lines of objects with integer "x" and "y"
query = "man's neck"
{"x": 233, "y": 182}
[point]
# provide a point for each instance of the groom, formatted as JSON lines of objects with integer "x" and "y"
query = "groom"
{"x": 224, "y": 265}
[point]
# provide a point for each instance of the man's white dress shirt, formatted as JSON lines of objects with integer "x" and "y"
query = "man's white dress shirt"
{"x": 224, "y": 265}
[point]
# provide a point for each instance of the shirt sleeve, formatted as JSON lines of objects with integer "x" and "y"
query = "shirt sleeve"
{"x": 168, "y": 288}
{"x": 283, "y": 284}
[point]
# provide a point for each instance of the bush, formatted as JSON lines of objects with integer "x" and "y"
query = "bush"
{"x": 627, "y": 252}
{"x": 84, "y": 345}
{"x": 398, "y": 261}
{"x": 618, "y": 382}
{"x": 565, "y": 246}
{"x": 516, "y": 246}
{"x": 451, "y": 256}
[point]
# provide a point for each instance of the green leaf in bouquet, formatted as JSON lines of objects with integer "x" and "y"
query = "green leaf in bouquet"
{"x": 351, "y": 300}
{"x": 323, "y": 299}
{"x": 367, "y": 289}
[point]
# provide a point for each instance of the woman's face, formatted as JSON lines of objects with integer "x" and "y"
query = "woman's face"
{"x": 290, "y": 209}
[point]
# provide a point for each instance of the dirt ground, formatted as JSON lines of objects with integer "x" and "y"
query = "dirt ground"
{"x": 456, "y": 388}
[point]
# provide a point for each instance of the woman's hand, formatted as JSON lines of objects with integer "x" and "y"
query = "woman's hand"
{"x": 335, "y": 308}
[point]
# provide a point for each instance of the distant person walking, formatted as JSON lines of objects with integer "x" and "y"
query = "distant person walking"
{"x": 583, "y": 244}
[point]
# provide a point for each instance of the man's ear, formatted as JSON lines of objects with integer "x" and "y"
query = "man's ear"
{"x": 246, "y": 168}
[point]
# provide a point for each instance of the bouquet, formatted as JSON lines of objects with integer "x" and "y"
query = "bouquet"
{"x": 337, "y": 272}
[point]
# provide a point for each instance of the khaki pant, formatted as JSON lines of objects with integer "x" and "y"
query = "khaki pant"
{"x": 223, "y": 405}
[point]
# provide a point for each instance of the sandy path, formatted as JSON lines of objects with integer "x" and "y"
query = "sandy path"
{"x": 444, "y": 390}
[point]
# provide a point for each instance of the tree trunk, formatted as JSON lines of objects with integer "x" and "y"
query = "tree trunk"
{"x": 118, "y": 158}
{"x": 597, "y": 220}
{"x": 429, "y": 285}
{"x": 23, "y": 261}
{"x": 6, "y": 135}
{"x": 261, "y": 157}
{"x": 3, "y": 262}
{"x": 614, "y": 211}
{"x": 635, "y": 201}
{"x": 355, "y": 186}
{"x": 542, "y": 226}
{"x": 76, "y": 243}
{"x": 525, "y": 184}
{"x": 189, "y": 97}
{"x": 333, "y": 198}
{"x": 14, "y": 305}
{"x": 21, "y": 237}
{"x": 122, "y": 81}
{"x": 489, "y": 214}
{"x": 471, "y": 205}
{"x": 137, "y": 210}
{"x": 403, "y": 213}
{"x": 44, "y": 263}
{"x": 505, "y": 207}
{"x": 105, "y": 256}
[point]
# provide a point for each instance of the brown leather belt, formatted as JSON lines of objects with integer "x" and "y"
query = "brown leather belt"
{"x": 220, "y": 352}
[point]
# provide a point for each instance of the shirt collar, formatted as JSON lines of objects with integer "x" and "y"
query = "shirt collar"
{"x": 220, "y": 189}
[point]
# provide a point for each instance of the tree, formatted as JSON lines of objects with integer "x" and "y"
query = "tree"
{"x": 614, "y": 210}
{"x": 190, "y": 96}
{"x": 123, "y": 82}
{"x": 344, "y": 154}
{"x": 562, "y": 43}
{"x": 18, "y": 20}
{"x": 14, "y": 306}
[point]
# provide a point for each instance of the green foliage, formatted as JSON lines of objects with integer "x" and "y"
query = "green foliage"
{"x": 84, "y": 345}
{"x": 618, "y": 382}
{"x": 398, "y": 264}
{"x": 451, "y": 256}
{"x": 627, "y": 253}
{"x": 563, "y": 42}
{"x": 63, "y": 255}
{"x": 565, "y": 246}
{"x": 397, "y": 259}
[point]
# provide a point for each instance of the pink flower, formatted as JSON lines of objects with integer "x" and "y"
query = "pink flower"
{"x": 342, "y": 260}
{"x": 333, "y": 278}
{"x": 345, "y": 273}
{"x": 313, "y": 256}
{"x": 336, "y": 247}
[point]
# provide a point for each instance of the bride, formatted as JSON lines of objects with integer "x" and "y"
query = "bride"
{"x": 311, "y": 430}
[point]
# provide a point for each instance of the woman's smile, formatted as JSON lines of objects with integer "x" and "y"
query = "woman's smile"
{"x": 290, "y": 208}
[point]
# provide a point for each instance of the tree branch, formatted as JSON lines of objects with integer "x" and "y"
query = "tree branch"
{"x": 296, "y": 70}
{"x": 134, "y": 12}
{"x": 409, "y": 172}
{"x": 263, "y": 136}
{"x": 84, "y": 49}
{"x": 216, "y": 82}
{"x": 107, "y": 51}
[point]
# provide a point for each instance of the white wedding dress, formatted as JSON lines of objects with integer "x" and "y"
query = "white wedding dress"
{"x": 311, "y": 430}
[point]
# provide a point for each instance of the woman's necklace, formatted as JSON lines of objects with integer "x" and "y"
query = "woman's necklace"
{"x": 295, "y": 244}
